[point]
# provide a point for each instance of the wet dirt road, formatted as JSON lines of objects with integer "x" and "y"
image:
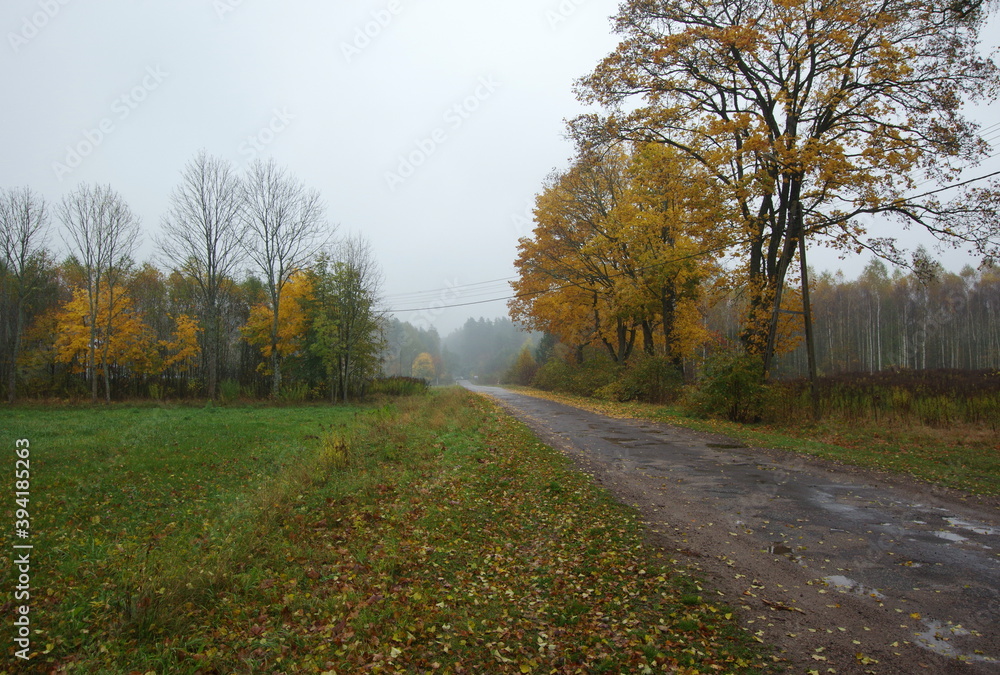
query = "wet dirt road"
{"x": 844, "y": 570}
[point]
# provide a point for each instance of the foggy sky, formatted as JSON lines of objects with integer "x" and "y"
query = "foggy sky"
{"x": 427, "y": 125}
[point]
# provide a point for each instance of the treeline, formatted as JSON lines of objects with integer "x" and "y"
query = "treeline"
{"x": 256, "y": 297}
{"x": 412, "y": 351}
{"x": 624, "y": 260}
{"x": 882, "y": 321}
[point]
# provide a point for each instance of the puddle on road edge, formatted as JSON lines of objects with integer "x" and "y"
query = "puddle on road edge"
{"x": 780, "y": 548}
{"x": 848, "y": 585}
{"x": 977, "y": 528}
{"x": 950, "y": 536}
{"x": 935, "y": 637}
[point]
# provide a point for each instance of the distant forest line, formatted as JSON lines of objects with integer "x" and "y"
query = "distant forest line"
{"x": 879, "y": 321}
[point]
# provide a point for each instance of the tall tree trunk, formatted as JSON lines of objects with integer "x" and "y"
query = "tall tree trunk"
{"x": 15, "y": 352}
{"x": 213, "y": 341}
{"x": 275, "y": 357}
{"x": 92, "y": 351}
{"x": 668, "y": 308}
{"x": 648, "y": 343}
{"x": 106, "y": 357}
{"x": 347, "y": 370}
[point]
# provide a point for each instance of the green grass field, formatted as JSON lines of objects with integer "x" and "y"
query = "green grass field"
{"x": 431, "y": 534}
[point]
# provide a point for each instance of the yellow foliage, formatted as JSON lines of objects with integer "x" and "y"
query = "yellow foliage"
{"x": 808, "y": 116}
{"x": 622, "y": 241}
{"x": 423, "y": 366}
{"x": 121, "y": 336}
{"x": 182, "y": 350}
{"x": 292, "y": 319}
{"x": 689, "y": 331}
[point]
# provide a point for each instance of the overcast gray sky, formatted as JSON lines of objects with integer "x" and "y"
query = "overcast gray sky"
{"x": 428, "y": 125}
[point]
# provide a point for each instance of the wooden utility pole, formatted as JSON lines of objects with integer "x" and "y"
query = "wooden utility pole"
{"x": 807, "y": 319}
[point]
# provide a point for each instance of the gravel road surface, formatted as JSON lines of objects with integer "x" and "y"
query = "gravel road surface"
{"x": 842, "y": 569}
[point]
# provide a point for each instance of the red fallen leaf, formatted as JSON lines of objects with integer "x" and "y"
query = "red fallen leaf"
{"x": 265, "y": 584}
{"x": 320, "y": 524}
{"x": 312, "y": 574}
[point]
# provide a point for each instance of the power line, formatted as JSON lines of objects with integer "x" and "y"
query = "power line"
{"x": 462, "y": 304}
{"x": 618, "y": 275}
{"x": 401, "y": 297}
{"x": 641, "y": 269}
{"x": 954, "y": 185}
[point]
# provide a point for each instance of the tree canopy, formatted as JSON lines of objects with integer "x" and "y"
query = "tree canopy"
{"x": 806, "y": 115}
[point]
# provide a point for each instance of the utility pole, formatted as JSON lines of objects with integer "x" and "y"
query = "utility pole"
{"x": 807, "y": 319}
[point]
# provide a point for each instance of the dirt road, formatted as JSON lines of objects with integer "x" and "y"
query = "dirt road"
{"x": 844, "y": 570}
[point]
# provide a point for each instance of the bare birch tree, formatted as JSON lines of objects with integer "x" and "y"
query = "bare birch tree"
{"x": 24, "y": 219}
{"x": 202, "y": 239}
{"x": 103, "y": 235}
{"x": 286, "y": 226}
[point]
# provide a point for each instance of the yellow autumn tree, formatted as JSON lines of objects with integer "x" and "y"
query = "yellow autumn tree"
{"x": 122, "y": 340}
{"x": 423, "y": 366}
{"x": 292, "y": 322}
{"x": 570, "y": 269}
{"x": 621, "y": 252}
{"x": 182, "y": 350}
{"x": 666, "y": 219}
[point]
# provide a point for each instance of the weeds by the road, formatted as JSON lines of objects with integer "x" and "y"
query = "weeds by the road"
{"x": 429, "y": 535}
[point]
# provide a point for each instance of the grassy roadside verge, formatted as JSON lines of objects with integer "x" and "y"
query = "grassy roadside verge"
{"x": 931, "y": 455}
{"x": 433, "y": 534}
